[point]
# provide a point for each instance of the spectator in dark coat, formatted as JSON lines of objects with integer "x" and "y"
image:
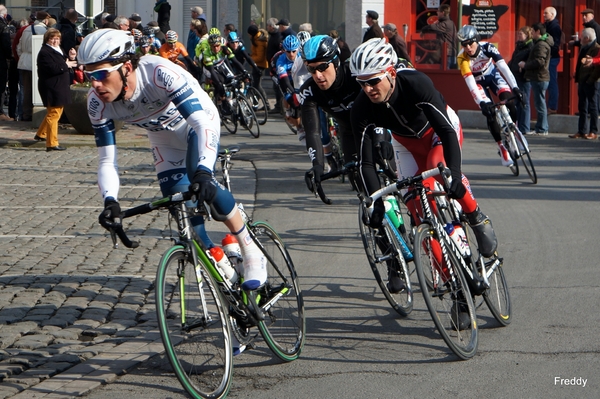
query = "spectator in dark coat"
{"x": 445, "y": 29}
{"x": 374, "y": 29}
{"x": 285, "y": 29}
{"x": 521, "y": 53}
{"x": 345, "y": 52}
{"x": 163, "y": 8}
{"x": 554, "y": 30}
{"x": 54, "y": 87}
{"x": 68, "y": 30}
{"x": 391, "y": 32}
{"x": 273, "y": 46}
{"x": 587, "y": 87}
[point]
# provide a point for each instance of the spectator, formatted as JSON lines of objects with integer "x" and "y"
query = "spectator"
{"x": 587, "y": 87}
{"x": 445, "y": 29}
{"x": 228, "y": 29}
{"x": 201, "y": 31}
{"x": 536, "y": 72}
{"x": 273, "y": 47}
{"x": 391, "y": 32}
{"x": 374, "y": 30}
{"x": 15, "y": 102}
{"x": 554, "y": 30}
{"x": 156, "y": 32}
{"x": 521, "y": 53}
{"x": 54, "y": 86}
{"x": 51, "y": 22}
{"x": 5, "y": 56}
{"x": 163, "y": 8}
{"x": 135, "y": 21}
{"x": 193, "y": 39}
{"x": 25, "y": 65}
{"x": 345, "y": 52}
{"x": 258, "y": 49}
{"x": 285, "y": 29}
{"x": 306, "y": 27}
{"x": 122, "y": 22}
{"x": 24, "y": 23}
{"x": 69, "y": 38}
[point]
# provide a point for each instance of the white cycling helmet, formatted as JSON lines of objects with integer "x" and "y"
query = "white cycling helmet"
{"x": 303, "y": 36}
{"x": 105, "y": 45}
{"x": 371, "y": 57}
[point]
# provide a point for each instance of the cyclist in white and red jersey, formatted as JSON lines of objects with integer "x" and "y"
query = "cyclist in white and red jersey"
{"x": 485, "y": 70}
{"x": 183, "y": 127}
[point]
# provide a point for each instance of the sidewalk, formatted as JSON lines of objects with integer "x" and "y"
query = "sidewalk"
{"x": 20, "y": 134}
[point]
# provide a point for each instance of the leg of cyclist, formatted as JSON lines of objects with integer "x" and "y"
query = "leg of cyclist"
{"x": 326, "y": 141}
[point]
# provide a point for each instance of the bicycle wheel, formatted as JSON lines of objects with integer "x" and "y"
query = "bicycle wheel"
{"x": 382, "y": 247}
{"x": 290, "y": 125}
{"x": 497, "y": 296}
{"x": 247, "y": 116}
{"x": 193, "y": 326}
{"x": 523, "y": 148}
{"x": 229, "y": 121}
{"x": 259, "y": 104}
{"x": 449, "y": 302}
{"x": 284, "y": 327}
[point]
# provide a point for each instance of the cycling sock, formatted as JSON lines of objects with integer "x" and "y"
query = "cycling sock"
{"x": 255, "y": 264}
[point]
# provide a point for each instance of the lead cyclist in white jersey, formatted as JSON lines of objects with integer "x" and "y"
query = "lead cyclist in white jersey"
{"x": 183, "y": 126}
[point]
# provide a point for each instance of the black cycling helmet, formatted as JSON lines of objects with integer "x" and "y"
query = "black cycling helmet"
{"x": 320, "y": 48}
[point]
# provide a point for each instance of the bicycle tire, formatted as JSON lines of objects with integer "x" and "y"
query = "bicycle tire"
{"x": 526, "y": 157}
{"x": 383, "y": 251}
{"x": 259, "y": 104}
{"x": 444, "y": 299}
{"x": 247, "y": 116}
{"x": 284, "y": 326}
{"x": 199, "y": 348}
{"x": 229, "y": 121}
{"x": 497, "y": 296}
{"x": 510, "y": 146}
{"x": 290, "y": 125}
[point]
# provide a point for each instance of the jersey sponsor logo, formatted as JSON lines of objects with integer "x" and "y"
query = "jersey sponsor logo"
{"x": 95, "y": 107}
{"x": 312, "y": 153}
{"x": 342, "y": 107}
{"x": 302, "y": 95}
{"x": 177, "y": 163}
{"x": 164, "y": 77}
{"x": 173, "y": 177}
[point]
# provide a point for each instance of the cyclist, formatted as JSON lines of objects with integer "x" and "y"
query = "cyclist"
{"x": 283, "y": 68}
{"x": 332, "y": 88}
{"x": 145, "y": 47}
{"x": 172, "y": 50}
{"x": 183, "y": 127}
{"x": 484, "y": 70}
{"x": 425, "y": 131}
{"x": 154, "y": 41}
{"x": 218, "y": 60}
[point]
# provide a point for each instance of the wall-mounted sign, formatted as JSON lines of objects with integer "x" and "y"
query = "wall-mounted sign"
{"x": 484, "y": 16}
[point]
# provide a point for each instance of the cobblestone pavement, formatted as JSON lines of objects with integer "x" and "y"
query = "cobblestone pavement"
{"x": 69, "y": 302}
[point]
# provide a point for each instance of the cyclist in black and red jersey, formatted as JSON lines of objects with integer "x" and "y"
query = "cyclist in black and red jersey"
{"x": 332, "y": 88}
{"x": 425, "y": 131}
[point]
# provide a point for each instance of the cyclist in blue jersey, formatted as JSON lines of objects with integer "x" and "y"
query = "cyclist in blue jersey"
{"x": 283, "y": 68}
{"x": 183, "y": 127}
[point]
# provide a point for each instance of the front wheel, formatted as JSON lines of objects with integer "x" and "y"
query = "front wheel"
{"x": 247, "y": 116}
{"x": 511, "y": 145}
{"x": 448, "y": 299}
{"x": 193, "y": 326}
{"x": 284, "y": 326}
{"x": 523, "y": 147}
{"x": 259, "y": 104}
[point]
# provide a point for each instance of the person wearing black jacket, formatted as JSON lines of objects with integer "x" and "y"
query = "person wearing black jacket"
{"x": 68, "y": 30}
{"x": 521, "y": 53}
{"x": 273, "y": 47}
{"x": 374, "y": 29}
{"x": 554, "y": 30}
{"x": 163, "y": 9}
{"x": 445, "y": 29}
{"x": 5, "y": 55}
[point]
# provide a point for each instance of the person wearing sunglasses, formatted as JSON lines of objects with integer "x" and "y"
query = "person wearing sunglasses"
{"x": 283, "y": 71}
{"x": 424, "y": 128}
{"x": 183, "y": 128}
{"x": 332, "y": 88}
{"x": 485, "y": 71}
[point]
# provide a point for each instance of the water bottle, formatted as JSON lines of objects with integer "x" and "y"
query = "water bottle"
{"x": 456, "y": 232}
{"x": 223, "y": 264}
{"x": 232, "y": 249}
{"x": 393, "y": 211}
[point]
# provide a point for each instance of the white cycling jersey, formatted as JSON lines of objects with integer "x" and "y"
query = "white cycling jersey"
{"x": 170, "y": 104}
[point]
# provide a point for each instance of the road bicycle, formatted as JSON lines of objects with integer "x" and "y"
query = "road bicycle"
{"x": 257, "y": 100}
{"x": 198, "y": 308}
{"x": 514, "y": 141}
{"x": 224, "y": 158}
{"x": 388, "y": 248}
{"x": 450, "y": 275}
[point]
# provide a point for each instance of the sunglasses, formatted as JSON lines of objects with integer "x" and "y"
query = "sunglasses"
{"x": 467, "y": 43}
{"x": 321, "y": 67}
{"x": 290, "y": 51}
{"x": 101, "y": 74}
{"x": 371, "y": 82}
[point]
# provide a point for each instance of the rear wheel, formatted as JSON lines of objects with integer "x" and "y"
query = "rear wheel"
{"x": 259, "y": 104}
{"x": 193, "y": 326}
{"x": 382, "y": 248}
{"x": 448, "y": 299}
{"x": 284, "y": 326}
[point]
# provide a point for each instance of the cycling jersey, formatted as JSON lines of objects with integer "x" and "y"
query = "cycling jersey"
{"x": 486, "y": 70}
{"x": 337, "y": 101}
{"x": 283, "y": 69}
{"x": 209, "y": 58}
{"x": 173, "y": 52}
{"x": 169, "y": 103}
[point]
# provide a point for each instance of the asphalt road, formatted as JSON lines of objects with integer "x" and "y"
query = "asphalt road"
{"x": 357, "y": 347}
